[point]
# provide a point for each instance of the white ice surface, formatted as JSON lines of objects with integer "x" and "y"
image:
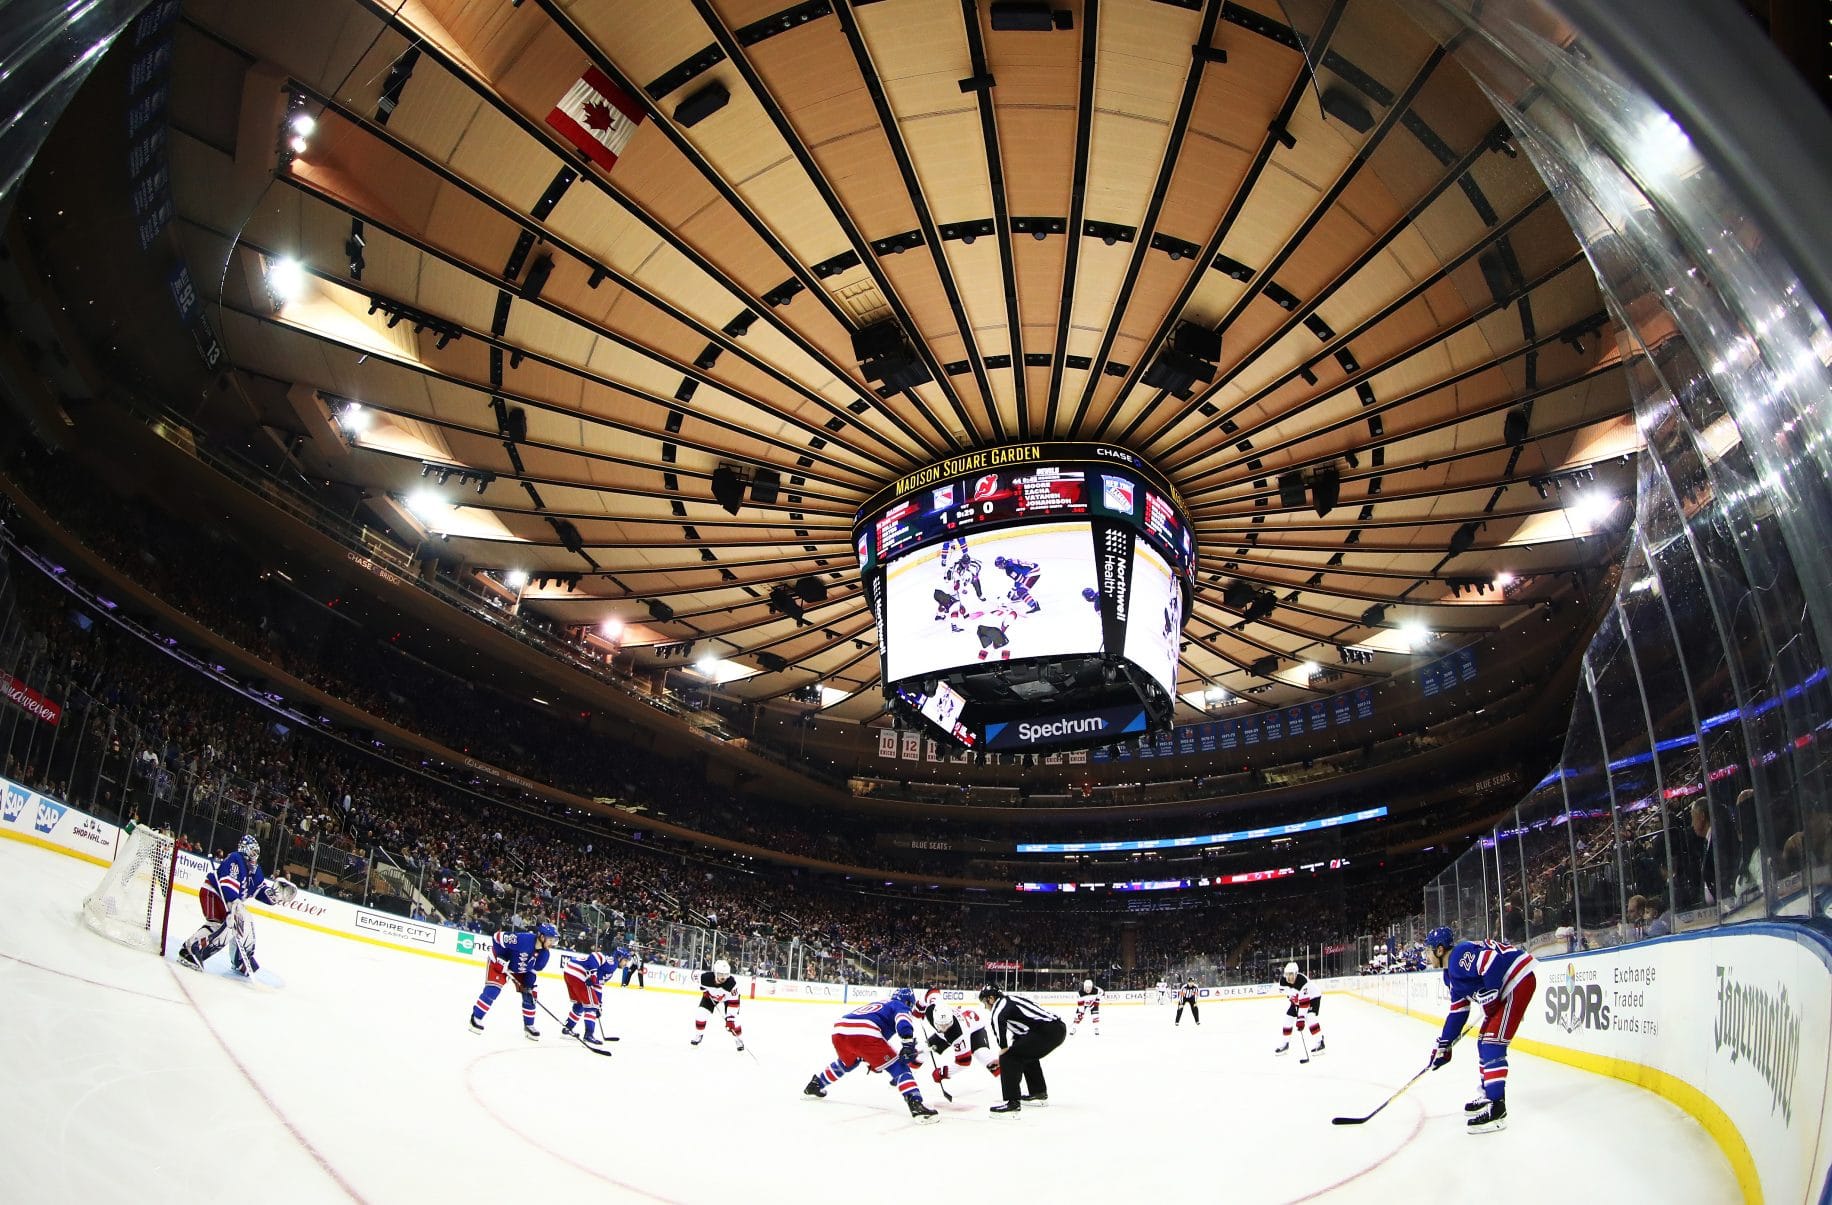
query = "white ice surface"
{"x": 126, "y": 1078}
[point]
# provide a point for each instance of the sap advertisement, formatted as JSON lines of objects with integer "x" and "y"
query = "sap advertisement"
{"x": 1155, "y": 624}
{"x": 1006, "y": 595}
{"x": 1107, "y": 723}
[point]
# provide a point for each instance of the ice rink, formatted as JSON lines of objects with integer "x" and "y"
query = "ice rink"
{"x": 128, "y": 1078}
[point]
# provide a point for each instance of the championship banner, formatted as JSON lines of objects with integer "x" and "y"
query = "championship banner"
{"x": 598, "y": 117}
{"x": 29, "y": 700}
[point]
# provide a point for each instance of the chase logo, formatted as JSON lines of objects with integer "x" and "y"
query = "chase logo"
{"x": 49, "y": 814}
{"x": 16, "y": 799}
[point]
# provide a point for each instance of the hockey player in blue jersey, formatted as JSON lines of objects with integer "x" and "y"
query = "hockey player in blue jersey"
{"x": 864, "y": 1035}
{"x": 1500, "y": 978}
{"x": 520, "y": 956}
{"x": 585, "y": 976}
{"x": 227, "y": 887}
{"x": 1023, "y": 575}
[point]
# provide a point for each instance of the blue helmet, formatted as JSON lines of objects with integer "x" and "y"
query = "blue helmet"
{"x": 250, "y": 848}
{"x": 905, "y": 997}
{"x": 1440, "y": 936}
{"x": 1000, "y": 562}
{"x": 546, "y": 929}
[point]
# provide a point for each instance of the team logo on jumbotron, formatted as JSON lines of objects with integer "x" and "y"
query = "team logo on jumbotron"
{"x": 1116, "y": 494}
{"x": 16, "y": 799}
{"x": 1577, "y": 1003}
{"x": 986, "y": 487}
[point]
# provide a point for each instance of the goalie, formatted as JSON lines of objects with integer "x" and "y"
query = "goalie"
{"x": 223, "y": 897}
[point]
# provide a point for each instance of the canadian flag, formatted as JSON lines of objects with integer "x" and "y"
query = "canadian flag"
{"x": 597, "y": 116}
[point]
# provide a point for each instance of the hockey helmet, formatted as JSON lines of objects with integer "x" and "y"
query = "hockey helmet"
{"x": 1087, "y": 985}
{"x": 250, "y": 848}
{"x": 1440, "y": 936}
{"x": 721, "y": 968}
{"x": 905, "y": 997}
{"x": 1291, "y": 970}
{"x": 546, "y": 929}
{"x": 988, "y": 994}
{"x": 1000, "y": 562}
{"x": 941, "y": 1017}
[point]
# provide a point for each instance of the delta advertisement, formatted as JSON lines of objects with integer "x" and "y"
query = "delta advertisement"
{"x": 1734, "y": 1025}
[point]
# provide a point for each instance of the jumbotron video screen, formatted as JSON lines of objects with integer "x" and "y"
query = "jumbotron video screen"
{"x": 1029, "y": 596}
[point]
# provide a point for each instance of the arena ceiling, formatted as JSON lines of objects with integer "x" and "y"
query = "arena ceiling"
{"x": 1036, "y": 209}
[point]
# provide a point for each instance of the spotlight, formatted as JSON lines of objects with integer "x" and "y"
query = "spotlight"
{"x": 297, "y": 144}
{"x": 1413, "y": 635}
{"x": 284, "y": 279}
{"x": 354, "y": 418}
{"x": 1590, "y": 509}
{"x": 1504, "y": 579}
{"x": 1309, "y": 670}
{"x": 611, "y": 629}
{"x": 425, "y": 503}
{"x": 303, "y": 124}
{"x": 515, "y": 579}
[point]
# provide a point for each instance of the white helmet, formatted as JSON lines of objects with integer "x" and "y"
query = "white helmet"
{"x": 1087, "y": 985}
{"x": 942, "y": 1017}
{"x": 721, "y": 968}
{"x": 1291, "y": 970}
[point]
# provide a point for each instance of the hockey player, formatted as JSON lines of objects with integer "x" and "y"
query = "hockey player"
{"x": 585, "y": 976}
{"x": 1025, "y": 1033}
{"x": 227, "y": 887}
{"x": 1302, "y": 1000}
{"x": 1501, "y": 979}
{"x": 1163, "y": 991}
{"x": 959, "y": 1039}
{"x": 1087, "y": 1004}
{"x": 1186, "y": 997}
{"x": 864, "y": 1035}
{"x": 719, "y": 987}
{"x": 1023, "y": 575}
{"x": 959, "y": 567}
{"x": 992, "y": 633}
{"x": 521, "y": 956}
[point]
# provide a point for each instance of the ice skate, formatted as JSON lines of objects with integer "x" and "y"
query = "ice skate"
{"x": 1477, "y": 1105}
{"x": 531, "y": 1033}
{"x": 922, "y": 1113}
{"x": 1010, "y": 1108}
{"x": 814, "y": 1087}
{"x": 697, "y": 1039}
{"x": 476, "y": 1025}
{"x": 188, "y": 957}
{"x": 591, "y": 1039}
{"x": 1283, "y": 1048}
{"x": 1494, "y": 1116}
{"x": 1318, "y": 1048}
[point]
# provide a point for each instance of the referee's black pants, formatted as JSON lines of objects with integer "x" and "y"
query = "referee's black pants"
{"x": 1023, "y": 1060}
{"x": 1195, "y": 1013}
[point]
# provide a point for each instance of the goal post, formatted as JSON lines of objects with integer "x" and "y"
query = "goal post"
{"x": 133, "y": 904}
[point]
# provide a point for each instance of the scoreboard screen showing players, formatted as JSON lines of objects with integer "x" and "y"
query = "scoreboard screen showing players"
{"x": 1025, "y": 582}
{"x": 1018, "y": 592}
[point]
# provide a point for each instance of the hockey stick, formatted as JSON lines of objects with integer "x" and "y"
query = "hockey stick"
{"x": 936, "y": 1056}
{"x": 578, "y": 1037}
{"x": 1303, "y": 1046}
{"x": 1355, "y": 1121}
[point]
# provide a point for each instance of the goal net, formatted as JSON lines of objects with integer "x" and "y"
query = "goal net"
{"x": 135, "y": 897}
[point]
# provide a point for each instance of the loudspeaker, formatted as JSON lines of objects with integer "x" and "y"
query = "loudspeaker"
{"x": 1291, "y": 489}
{"x": 727, "y": 488}
{"x": 569, "y": 535}
{"x": 811, "y": 589}
{"x": 1194, "y": 339}
{"x": 877, "y": 340}
{"x": 1264, "y": 667}
{"x": 1347, "y": 110}
{"x": 1326, "y": 488}
{"x": 515, "y": 425}
{"x": 660, "y": 611}
{"x": 701, "y": 105}
{"x": 1029, "y": 17}
{"x": 1463, "y": 538}
{"x": 771, "y": 662}
{"x": 1237, "y": 595}
{"x": 1262, "y": 605}
{"x": 765, "y": 484}
{"x": 536, "y": 280}
{"x": 1374, "y": 615}
{"x": 1514, "y": 427}
{"x": 1495, "y": 274}
{"x": 1174, "y": 371}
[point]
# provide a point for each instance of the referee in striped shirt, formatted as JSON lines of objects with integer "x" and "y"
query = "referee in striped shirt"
{"x": 1026, "y": 1032}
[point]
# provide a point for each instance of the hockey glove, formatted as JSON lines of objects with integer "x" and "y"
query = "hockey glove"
{"x": 993, "y": 1067}
{"x": 284, "y": 891}
{"x": 1440, "y": 1055}
{"x": 908, "y": 1054}
{"x": 937, "y": 1043}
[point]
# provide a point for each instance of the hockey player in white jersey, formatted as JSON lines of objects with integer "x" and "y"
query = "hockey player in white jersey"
{"x": 719, "y": 989}
{"x": 1303, "y": 1001}
{"x": 1087, "y": 1004}
{"x": 959, "y": 1038}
